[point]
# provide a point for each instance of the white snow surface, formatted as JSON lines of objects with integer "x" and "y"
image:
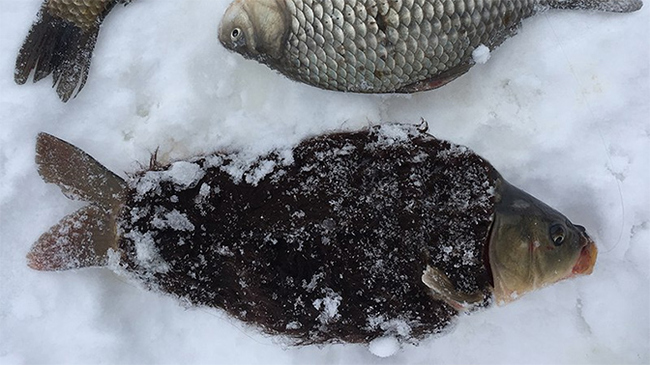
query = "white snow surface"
{"x": 562, "y": 110}
{"x": 384, "y": 346}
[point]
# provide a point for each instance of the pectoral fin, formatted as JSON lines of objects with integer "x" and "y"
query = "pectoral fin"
{"x": 443, "y": 289}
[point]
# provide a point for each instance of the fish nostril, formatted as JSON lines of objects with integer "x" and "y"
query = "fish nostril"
{"x": 581, "y": 228}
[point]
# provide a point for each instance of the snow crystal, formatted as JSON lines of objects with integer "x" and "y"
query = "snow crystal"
{"x": 185, "y": 174}
{"x": 182, "y": 174}
{"x": 174, "y": 220}
{"x": 481, "y": 54}
{"x": 114, "y": 258}
{"x": 286, "y": 156}
{"x": 204, "y": 192}
{"x": 149, "y": 182}
{"x": 394, "y": 326}
{"x": 293, "y": 325}
{"x": 146, "y": 252}
{"x": 313, "y": 282}
{"x": 256, "y": 174}
{"x": 384, "y": 346}
{"x": 392, "y": 133}
{"x": 452, "y": 151}
{"x": 329, "y": 306}
{"x": 239, "y": 164}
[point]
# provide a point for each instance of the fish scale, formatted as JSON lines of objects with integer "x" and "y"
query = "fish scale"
{"x": 83, "y": 13}
{"x": 382, "y": 46}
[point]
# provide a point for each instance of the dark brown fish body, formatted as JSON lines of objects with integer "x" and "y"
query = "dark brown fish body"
{"x": 61, "y": 42}
{"x": 329, "y": 247}
{"x": 324, "y": 242}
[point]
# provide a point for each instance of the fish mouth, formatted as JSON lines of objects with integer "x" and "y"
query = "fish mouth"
{"x": 587, "y": 259}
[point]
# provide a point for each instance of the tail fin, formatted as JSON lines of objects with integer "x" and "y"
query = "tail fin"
{"x": 61, "y": 42}
{"x": 615, "y": 6}
{"x": 79, "y": 176}
{"x": 82, "y": 238}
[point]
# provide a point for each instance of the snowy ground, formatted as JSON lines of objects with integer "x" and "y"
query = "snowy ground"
{"x": 562, "y": 110}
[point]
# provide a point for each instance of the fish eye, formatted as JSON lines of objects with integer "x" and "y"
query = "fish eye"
{"x": 235, "y": 34}
{"x": 556, "y": 233}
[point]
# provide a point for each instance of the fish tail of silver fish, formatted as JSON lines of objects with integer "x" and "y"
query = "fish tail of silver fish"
{"x": 615, "y": 6}
{"x": 61, "y": 42}
{"x": 84, "y": 237}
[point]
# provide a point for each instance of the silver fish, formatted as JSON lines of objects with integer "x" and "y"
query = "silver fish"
{"x": 380, "y": 46}
{"x": 61, "y": 42}
{"x": 336, "y": 239}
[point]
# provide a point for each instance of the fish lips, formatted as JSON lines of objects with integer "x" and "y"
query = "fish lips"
{"x": 587, "y": 259}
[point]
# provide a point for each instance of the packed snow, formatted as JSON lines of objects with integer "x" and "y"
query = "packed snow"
{"x": 481, "y": 54}
{"x": 562, "y": 110}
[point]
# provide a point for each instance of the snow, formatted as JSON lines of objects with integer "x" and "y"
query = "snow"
{"x": 481, "y": 54}
{"x": 561, "y": 110}
{"x": 174, "y": 220}
{"x": 181, "y": 173}
{"x": 384, "y": 346}
{"x": 328, "y": 306}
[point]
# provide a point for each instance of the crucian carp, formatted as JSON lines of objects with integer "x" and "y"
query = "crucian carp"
{"x": 345, "y": 237}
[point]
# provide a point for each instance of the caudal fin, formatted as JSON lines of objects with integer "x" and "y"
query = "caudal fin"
{"x": 82, "y": 238}
{"x": 61, "y": 42}
{"x": 78, "y": 174}
{"x": 616, "y": 6}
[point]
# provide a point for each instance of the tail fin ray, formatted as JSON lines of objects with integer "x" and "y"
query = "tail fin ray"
{"x": 84, "y": 237}
{"x": 81, "y": 239}
{"x": 58, "y": 47}
{"x": 79, "y": 176}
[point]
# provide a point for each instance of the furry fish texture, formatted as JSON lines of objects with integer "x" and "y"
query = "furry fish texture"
{"x": 346, "y": 237}
{"x": 380, "y": 46}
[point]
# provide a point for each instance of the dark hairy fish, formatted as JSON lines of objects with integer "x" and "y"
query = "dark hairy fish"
{"x": 61, "y": 42}
{"x": 380, "y": 46}
{"x": 345, "y": 237}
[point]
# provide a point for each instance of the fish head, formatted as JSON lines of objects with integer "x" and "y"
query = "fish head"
{"x": 256, "y": 29}
{"x": 532, "y": 245}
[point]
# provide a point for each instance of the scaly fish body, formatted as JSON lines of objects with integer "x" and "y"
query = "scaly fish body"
{"x": 378, "y": 46}
{"x": 345, "y": 237}
{"x": 84, "y": 14}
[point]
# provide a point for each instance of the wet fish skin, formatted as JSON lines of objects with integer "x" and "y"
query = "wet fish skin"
{"x": 345, "y": 237}
{"x": 379, "y": 46}
{"x": 61, "y": 43}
